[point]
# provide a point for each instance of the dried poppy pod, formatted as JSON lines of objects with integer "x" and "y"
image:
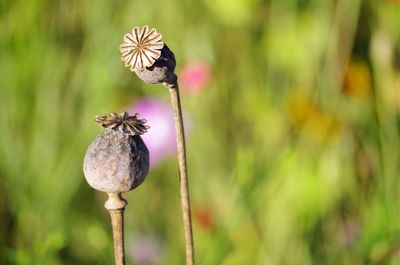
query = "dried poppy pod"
{"x": 117, "y": 160}
{"x": 144, "y": 53}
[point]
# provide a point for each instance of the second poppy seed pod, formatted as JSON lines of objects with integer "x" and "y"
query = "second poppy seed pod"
{"x": 144, "y": 53}
{"x": 117, "y": 160}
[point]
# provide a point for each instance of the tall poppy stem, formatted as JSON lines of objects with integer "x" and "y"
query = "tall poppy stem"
{"x": 184, "y": 181}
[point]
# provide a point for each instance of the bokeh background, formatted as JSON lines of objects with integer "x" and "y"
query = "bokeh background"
{"x": 292, "y": 111}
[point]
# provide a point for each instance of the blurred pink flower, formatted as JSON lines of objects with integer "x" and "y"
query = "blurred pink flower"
{"x": 145, "y": 249}
{"x": 195, "y": 76}
{"x": 160, "y": 139}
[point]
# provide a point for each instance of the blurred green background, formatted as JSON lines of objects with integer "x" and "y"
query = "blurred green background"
{"x": 294, "y": 131}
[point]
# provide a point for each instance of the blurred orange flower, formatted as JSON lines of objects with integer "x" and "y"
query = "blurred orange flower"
{"x": 357, "y": 79}
{"x": 204, "y": 217}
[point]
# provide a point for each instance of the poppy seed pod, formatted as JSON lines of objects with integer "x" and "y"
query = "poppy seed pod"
{"x": 117, "y": 160}
{"x": 144, "y": 53}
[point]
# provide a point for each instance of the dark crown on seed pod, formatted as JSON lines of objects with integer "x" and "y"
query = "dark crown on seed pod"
{"x": 127, "y": 124}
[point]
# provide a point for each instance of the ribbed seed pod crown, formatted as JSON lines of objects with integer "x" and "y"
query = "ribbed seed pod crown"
{"x": 144, "y": 53}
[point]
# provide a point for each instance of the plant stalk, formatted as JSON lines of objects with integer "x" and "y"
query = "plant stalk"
{"x": 184, "y": 181}
{"x": 115, "y": 205}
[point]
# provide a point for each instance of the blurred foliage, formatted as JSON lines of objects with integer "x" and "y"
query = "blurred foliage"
{"x": 294, "y": 148}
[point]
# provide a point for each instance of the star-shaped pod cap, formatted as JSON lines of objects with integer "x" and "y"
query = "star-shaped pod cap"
{"x": 144, "y": 53}
{"x": 141, "y": 48}
{"x": 124, "y": 123}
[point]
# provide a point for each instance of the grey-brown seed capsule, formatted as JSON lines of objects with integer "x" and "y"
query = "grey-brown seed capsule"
{"x": 162, "y": 70}
{"x": 116, "y": 162}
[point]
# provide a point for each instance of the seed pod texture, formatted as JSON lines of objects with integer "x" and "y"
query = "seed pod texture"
{"x": 116, "y": 162}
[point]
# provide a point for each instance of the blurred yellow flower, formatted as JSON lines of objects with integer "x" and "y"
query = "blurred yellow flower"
{"x": 311, "y": 120}
{"x": 357, "y": 79}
